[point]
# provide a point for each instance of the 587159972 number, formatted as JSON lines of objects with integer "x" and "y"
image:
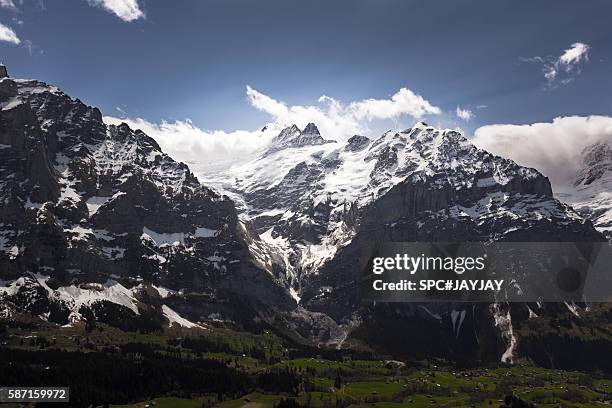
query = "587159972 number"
{"x": 34, "y": 394}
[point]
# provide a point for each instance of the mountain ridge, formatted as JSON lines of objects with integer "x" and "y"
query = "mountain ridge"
{"x": 323, "y": 206}
{"x": 95, "y": 204}
{"x": 101, "y": 224}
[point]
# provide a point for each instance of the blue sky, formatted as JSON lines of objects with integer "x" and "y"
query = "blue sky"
{"x": 193, "y": 59}
{"x": 176, "y": 60}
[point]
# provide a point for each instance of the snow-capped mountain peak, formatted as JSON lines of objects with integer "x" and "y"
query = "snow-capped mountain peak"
{"x": 311, "y": 129}
{"x": 308, "y": 199}
{"x": 292, "y": 136}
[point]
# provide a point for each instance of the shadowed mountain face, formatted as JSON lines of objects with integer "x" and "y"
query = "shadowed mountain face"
{"x": 98, "y": 223}
{"x": 321, "y": 207}
{"x": 86, "y": 203}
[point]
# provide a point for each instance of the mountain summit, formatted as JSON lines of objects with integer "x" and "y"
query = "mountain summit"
{"x": 292, "y": 136}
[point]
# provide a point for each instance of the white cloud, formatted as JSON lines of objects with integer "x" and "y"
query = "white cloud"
{"x": 564, "y": 68}
{"x": 126, "y": 10}
{"x": 266, "y": 104}
{"x": 577, "y": 53}
{"x": 330, "y": 116}
{"x": 186, "y": 142}
{"x": 8, "y": 4}
{"x": 402, "y": 102}
{"x": 8, "y": 35}
{"x": 553, "y": 148}
{"x": 203, "y": 150}
{"x": 464, "y": 114}
{"x": 338, "y": 121}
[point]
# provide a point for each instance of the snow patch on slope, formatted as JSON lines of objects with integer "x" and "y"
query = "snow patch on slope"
{"x": 175, "y": 319}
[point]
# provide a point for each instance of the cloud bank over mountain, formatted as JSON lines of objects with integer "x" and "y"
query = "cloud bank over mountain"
{"x": 554, "y": 148}
{"x": 209, "y": 150}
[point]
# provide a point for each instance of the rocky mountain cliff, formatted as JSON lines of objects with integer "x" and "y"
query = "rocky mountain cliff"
{"x": 321, "y": 206}
{"x": 97, "y": 217}
{"x": 591, "y": 193}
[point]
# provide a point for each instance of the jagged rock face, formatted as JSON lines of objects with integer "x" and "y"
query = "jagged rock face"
{"x": 322, "y": 207}
{"x": 596, "y": 161}
{"x": 591, "y": 192}
{"x": 357, "y": 143}
{"x": 451, "y": 192}
{"x": 294, "y": 137}
{"x": 85, "y": 203}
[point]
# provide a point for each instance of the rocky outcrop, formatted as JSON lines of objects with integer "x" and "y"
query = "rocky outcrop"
{"x": 591, "y": 192}
{"x": 357, "y": 143}
{"x": 294, "y": 137}
{"x": 596, "y": 161}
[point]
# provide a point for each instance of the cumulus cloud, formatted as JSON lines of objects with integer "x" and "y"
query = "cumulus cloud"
{"x": 8, "y": 35}
{"x": 577, "y": 53}
{"x": 564, "y": 68}
{"x": 464, "y": 114}
{"x": 8, "y": 4}
{"x": 186, "y": 142}
{"x": 126, "y": 10}
{"x": 329, "y": 115}
{"x": 554, "y": 148}
{"x": 402, "y": 102}
{"x": 339, "y": 121}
